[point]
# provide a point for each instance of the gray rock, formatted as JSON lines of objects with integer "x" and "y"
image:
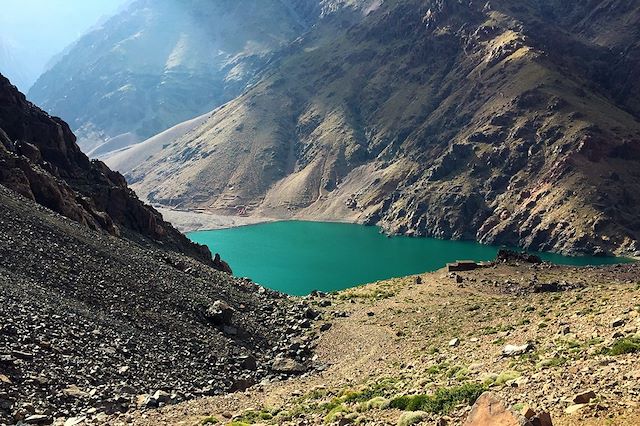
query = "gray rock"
{"x": 326, "y": 326}
{"x": 38, "y": 419}
{"x": 513, "y": 350}
{"x": 161, "y": 397}
{"x": 584, "y": 397}
{"x": 618, "y": 322}
{"x": 219, "y": 313}
{"x": 288, "y": 366}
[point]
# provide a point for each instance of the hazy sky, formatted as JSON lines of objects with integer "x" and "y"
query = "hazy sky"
{"x": 33, "y": 31}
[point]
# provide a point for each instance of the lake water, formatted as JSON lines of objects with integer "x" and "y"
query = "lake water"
{"x": 298, "y": 257}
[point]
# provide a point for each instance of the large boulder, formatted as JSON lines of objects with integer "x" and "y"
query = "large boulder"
{"x": 287, "y": 366}
{"x": 490, "y": 410}
{"x": 219, "y": 313}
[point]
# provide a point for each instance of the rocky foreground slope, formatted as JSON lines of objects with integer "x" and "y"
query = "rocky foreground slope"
{"x": 105, "y": 307}
{"x": 503, "y": 122}
{"x": 92, "y": 323}
{"x": 419, "y": 350}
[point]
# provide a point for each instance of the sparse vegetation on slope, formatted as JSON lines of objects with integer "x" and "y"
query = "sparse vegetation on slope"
{"x": 422, "y": 355}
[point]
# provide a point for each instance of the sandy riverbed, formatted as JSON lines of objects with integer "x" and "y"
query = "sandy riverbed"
{"x": 189, "y": 221}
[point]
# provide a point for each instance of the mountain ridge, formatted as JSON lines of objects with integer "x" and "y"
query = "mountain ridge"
{"x": 41, "y": 161}
{"x": 437, "y": 118}
{"x": 158, "y": 63}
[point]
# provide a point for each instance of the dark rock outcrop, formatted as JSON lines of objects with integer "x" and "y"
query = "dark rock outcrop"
{"x": 39, "y": 159}
{"x": 505, "y": 255}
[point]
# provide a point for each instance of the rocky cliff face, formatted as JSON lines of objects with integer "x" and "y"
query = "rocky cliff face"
{"x": 500, "y": 122}
{"x": 159, "y": 63}
{"x": 40, "y": 160}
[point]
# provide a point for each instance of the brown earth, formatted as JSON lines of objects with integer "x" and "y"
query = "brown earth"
{"x": 396, "y": 338}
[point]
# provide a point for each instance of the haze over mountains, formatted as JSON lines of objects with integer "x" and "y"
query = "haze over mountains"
{"x": 158, "y": 63}
{"x": 499, "y": 122}
{"x": 34, "y": 32}
{"x": 505, "y": 122}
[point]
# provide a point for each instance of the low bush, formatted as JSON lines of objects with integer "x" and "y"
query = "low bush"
{"x": 442, "y": 401}
{"x": 624, "y": 346}
{"x": 411, "y": 418}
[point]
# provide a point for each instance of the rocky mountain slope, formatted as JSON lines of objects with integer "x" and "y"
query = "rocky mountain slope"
{"x": 159, "y": 63}
{"x": 105, "y": 307}
{"x": 419, "y": 350}
{"x": 501, "y": 122}
{"x": 40, "y": 160}
{"x": 96, "y": 324}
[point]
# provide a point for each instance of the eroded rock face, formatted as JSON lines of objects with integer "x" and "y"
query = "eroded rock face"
{"x": 40, "y": 160}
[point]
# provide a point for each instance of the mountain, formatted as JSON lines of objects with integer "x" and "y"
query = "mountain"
{"x": 501, "y": 122}
{"x": 13, "y": 65}
{"x": 158, "y": 63}
{"x": 105, "y": 307}
{"x": 41, "y": 161}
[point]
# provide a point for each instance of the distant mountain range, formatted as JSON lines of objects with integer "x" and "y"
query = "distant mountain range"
{"x": 160, "y": 62}
{"x": 502, "y": 122}
{"x": 12, "y": 64}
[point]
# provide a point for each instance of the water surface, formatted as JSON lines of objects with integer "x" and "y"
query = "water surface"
{"x": 298, "y": 257}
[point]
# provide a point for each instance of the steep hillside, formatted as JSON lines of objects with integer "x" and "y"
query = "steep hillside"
{"x": 94, "y": 324}
{"x": 105, "y": 307}
{"x": 159, "y": 63}
{"x": 500, "y": 122}
{"x": 40, "y": 160}
{"x": 130, "y": 156}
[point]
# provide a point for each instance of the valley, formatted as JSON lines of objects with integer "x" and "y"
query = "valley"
{"x": 432, "y": 118}
{"x": 323, "y": 212}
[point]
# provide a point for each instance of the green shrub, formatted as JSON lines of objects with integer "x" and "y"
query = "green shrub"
{"x": 442, "y": 401}
{"x": 624, "y": 346}
{"x": 556, "y": 361}
{"x": 489, "y": 379}
{"x": 411, "y": 418}
{"x": 505, "y": 376}
{"x": 211, "y": 420}
{"x": 377, "y": 403}
{"x": 336, "y": 413}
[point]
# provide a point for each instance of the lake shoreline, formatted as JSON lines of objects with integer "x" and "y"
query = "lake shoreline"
{"x": 188, "y": 221}
{"x": 296, "y": 257}
{"x": 192, "y": 221}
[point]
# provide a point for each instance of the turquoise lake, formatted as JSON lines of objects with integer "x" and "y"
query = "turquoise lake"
{"x": 297, "y": 257}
